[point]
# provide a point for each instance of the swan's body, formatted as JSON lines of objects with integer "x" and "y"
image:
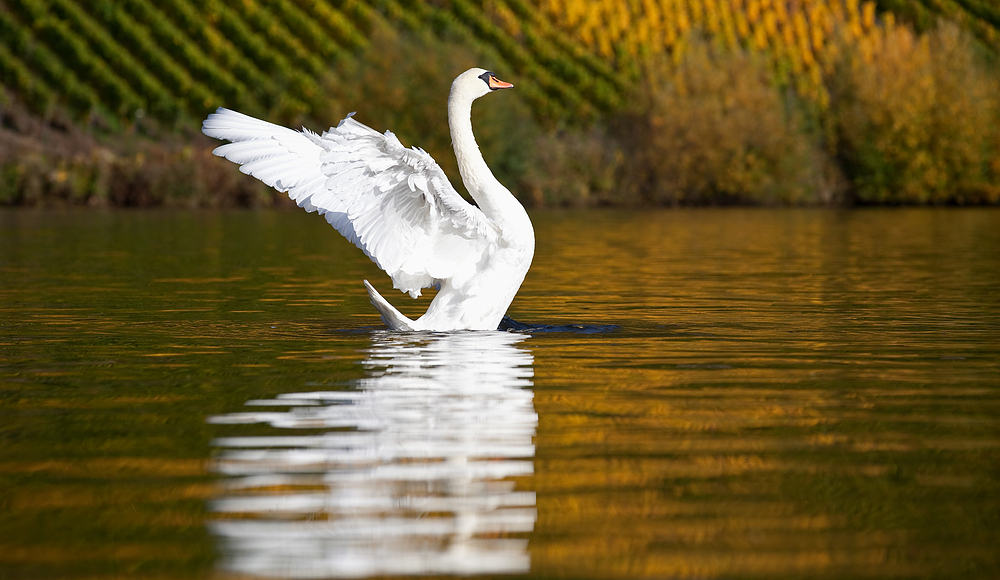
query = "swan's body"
{"x": 397, "y": 205}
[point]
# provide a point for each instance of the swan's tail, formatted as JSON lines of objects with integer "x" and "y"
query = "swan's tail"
{"x": 392, "y": 317}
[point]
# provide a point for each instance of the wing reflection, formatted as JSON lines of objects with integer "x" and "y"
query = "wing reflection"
{"x": 412, "y": 478}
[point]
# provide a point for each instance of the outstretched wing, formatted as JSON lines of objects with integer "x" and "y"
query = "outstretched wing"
{"x": 394, "y": 203}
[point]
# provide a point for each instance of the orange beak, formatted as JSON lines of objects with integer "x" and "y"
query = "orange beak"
{"x": 496, "y": 83}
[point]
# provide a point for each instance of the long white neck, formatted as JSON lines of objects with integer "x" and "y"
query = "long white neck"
{"x": 491, "y": 196}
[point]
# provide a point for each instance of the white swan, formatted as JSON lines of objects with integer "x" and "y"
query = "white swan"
{"x": 397, "y": 205}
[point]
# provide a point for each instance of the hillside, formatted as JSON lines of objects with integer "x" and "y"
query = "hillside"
{"x": 112, "y": 67}
{"x": 108, "y": 61}
{"x": 982, "y": 17}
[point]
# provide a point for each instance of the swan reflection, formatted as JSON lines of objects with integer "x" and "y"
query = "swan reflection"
{"x": 412, "y": 478}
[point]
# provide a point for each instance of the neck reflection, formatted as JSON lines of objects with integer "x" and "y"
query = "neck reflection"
{"x": 413, "y": 477}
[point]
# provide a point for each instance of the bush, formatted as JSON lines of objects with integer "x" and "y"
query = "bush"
{"x": 45, "y": 164}
{"x": 714, "y": 129}
{"x": 578, "y": 168}
{"x": 916, "y": 120}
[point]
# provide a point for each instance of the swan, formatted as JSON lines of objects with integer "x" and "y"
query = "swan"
{"x": 398, "y": 207}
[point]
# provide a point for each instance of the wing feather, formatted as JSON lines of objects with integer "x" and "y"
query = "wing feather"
{"x": 393, "y": 202}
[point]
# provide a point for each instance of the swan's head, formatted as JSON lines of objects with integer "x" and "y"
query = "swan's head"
{"x": 477, "y": 82}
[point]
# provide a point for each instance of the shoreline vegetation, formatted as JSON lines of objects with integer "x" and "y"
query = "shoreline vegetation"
{"x": 738, "y": 108}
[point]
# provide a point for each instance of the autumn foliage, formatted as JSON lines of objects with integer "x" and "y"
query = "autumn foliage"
{"x": 617, "y": 102}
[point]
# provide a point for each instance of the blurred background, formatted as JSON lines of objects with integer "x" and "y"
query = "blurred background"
{"x": 624, "y": 103}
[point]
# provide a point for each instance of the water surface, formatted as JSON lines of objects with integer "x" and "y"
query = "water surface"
{"x": 705, "y": 393}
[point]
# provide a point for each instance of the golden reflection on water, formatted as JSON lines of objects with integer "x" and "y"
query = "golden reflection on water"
{"x": 793, "y": 394}
{"x": 717, "y": 482}
{"x": 407, "y": 471}
{"x": 784, "y": 394}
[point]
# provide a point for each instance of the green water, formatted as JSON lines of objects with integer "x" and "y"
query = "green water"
{"x": 726, "y": 393}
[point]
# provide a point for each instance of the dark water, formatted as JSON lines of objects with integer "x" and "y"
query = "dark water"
{"x": 725, "y": 393}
